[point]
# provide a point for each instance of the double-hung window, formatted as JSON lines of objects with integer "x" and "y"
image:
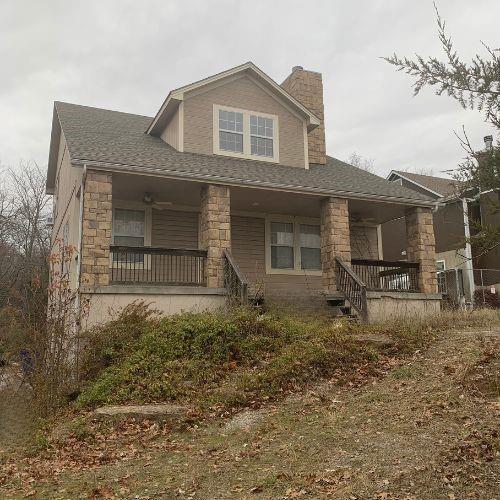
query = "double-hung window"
{"x": 261, "y": 136}
{"x": 129, "y": 231}
{"x": 246, "y": 134}
{"x": 294, "y": 245}
{"x": 282, "y": 247}
{"x": 231, "y": 131}
{"x": 310, "y": 247}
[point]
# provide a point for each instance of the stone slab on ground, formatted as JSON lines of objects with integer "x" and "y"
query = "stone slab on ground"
{"x": 168, "y": 412}
{"x": 377, "y": 341}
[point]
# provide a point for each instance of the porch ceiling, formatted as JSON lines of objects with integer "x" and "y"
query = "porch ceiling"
{"x": 185, "y": 193}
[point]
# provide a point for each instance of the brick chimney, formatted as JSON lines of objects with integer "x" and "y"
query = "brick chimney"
{"x": 307, "y": 88}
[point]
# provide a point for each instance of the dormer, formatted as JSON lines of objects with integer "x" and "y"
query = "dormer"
{"x": 240, "y": 113}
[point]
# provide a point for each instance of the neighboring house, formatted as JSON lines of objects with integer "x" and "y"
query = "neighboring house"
{"x": 229, "y": 188}
{"x": 452, "y": 227}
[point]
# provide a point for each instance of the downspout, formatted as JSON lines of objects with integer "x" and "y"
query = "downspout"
{"x": 80, "y": 237}
{"x": 469, "y": 268}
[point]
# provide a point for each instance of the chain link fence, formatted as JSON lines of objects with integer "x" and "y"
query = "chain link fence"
{"x": 454, "y": 286}
{"x": 487, "y": 284}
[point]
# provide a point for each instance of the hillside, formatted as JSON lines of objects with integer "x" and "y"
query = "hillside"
{"x": 418, "y": 425}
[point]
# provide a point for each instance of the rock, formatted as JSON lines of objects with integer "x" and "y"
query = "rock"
{"x": 246, "y": 419}
{"x": 376, "y": 341}
{"x": 167, "y": 412}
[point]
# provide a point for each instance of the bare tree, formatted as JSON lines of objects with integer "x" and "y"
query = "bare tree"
{"x": 24, "y": 237}
{"x": 420, "y": 170}
{"x": 359, "y": 161}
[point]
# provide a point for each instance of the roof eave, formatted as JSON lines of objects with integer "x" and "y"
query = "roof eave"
{"x": 397, "y": 174}
{"x": 55, "y": 137}
{"x": 210, "y": 178}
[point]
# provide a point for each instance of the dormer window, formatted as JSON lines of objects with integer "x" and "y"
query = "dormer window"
{"x": 261, "y": 136}
{"x": 231, "y": 131}
{"x": 245, "y": 134}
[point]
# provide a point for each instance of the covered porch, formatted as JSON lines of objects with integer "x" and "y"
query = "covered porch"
{"x": 275, "y": 246}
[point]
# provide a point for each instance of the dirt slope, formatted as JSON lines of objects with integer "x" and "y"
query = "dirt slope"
{"x": 428, "y": 429}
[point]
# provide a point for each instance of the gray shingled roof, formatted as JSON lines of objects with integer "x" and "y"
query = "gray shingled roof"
{"x": 117, "y": 140}
{"x": 440, "y": 185}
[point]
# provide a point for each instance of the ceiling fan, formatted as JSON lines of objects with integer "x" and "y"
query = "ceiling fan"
{"x": 158, "y": 205}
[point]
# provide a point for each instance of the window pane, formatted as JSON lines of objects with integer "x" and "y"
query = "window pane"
{"x": 239, "y": 122}
{"x": 231, "y": 142}
{"x": 310, "y": 258}
{"x": 231, "y": 121}
{"x": 261, "y": 147}
{"x": 129, "y": 241}
{"x": 310, "y": 244}
{"x": 261, "y": 126}
{"x": 128, "y": 222}
{"x": 128, "y": 258}
{"x": 310, "y": 236}
{"x": 282, "y": 233}
{"x": 281, "y": 257}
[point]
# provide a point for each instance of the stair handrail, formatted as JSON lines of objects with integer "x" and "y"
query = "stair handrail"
{"x": 352, "y": 287}
{"x": 234, "y": 280}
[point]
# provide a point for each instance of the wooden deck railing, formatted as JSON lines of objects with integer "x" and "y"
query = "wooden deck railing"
{"x": 385, "y": 275}
{"x": 157, "y": 266}
{"x": 234, "y": 280}
{"x": 352, "y": 287}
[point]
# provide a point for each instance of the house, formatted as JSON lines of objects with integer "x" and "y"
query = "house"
{"x": 461, "y": 268}
{"x": 228, "y": 192}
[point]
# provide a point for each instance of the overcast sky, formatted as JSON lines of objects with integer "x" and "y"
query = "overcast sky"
{"x": 127, "y": 55}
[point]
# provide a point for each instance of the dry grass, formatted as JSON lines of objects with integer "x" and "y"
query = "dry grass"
{"x": 421, "y": 431}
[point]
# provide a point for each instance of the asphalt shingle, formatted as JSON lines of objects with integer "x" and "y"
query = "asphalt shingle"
{"x": 114, "y": 138}
{"x": 441, "y": 185}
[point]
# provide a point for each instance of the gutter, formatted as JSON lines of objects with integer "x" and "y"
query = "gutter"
{"x": 217, "y": 179}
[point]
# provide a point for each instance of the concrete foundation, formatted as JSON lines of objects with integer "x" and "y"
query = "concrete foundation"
{"x": 383, "y": 306}
{"x": 106, "y": 302}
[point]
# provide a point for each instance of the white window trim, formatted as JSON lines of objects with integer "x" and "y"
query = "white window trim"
{"x": 246, "y": 135}
{"x": 296, "y": 221}
{"x": 444, "y": 264}
{"x": 133, "y": 205}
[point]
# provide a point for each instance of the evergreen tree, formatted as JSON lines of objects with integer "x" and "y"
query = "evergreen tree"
{"x": 475, "y": 85}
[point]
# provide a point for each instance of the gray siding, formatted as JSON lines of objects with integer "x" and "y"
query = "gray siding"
{"x": 248, "y": 247}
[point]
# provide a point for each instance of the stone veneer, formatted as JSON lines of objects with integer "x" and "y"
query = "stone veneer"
{"x": 215, "y": 231}
{"x": 96, "y": 229}
{"x": 335, "y": 239}
{"x": 307, "y": 88}
{"x": 422, "y": 246}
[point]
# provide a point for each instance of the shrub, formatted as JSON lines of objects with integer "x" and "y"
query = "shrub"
{"x": 215, "y": 358}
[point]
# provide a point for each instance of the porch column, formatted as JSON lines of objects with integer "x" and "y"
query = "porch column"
{"x": 421, "y": 246}
{"x": 96, "y": 229}
{"x": 335, "y": 239}
{"x": 215, "y": 227}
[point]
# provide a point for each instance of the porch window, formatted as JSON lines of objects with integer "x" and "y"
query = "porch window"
{"x": 128, "y": 230}
{"x": 294, "y": 245}
{"x": 282, "y": 255}
{"x": 245, "y": 134}
{"x": 310, "y": 247}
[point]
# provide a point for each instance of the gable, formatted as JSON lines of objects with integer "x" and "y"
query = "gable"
{"x": 174, "y": 98}
{"x": 438, "y": 187}
{"x": 242, "y": 93}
